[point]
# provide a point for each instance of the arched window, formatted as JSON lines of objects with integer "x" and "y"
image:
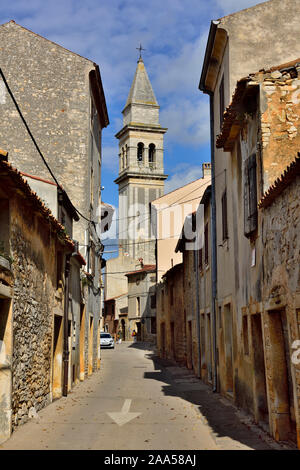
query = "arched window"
{"x": 140, "y": 152}
{"x": 151, "y": 156}
{"x": 122, "y": 159}
{"x": 126, "y": 156}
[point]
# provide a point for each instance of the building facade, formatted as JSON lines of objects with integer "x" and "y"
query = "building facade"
{"x": 32, "y": 298}
{"x": 61, "y": 96}
{"x": 263, "y": 142}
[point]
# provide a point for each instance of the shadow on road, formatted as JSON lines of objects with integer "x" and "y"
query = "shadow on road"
{"x": 218, "y": 412}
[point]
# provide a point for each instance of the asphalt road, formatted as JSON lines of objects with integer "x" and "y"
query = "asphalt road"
{"x": 137, "y": 401}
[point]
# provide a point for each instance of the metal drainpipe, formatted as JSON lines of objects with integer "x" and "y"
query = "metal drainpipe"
{"x": 213, "y": 241}
{"x": 197, "y": 310}
{"x": 66, "y": 321}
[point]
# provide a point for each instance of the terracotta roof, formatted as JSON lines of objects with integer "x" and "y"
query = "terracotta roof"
{"x": 291, "y": 172}
{"x": 231, "y": 118}
{"x": 116, "y": 297}
{"x": 80, "y": 258}
{"x": 7, "y": 170}
{"x": 3, "y": 153}
{"x": 286, "y": 65}
{"x": 146, "y": 268}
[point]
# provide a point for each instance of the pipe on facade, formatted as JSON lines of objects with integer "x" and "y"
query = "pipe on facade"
{"x": 66, "y": 327}
{"x": 196, "y": 254}
{"x": 213, "y": 242}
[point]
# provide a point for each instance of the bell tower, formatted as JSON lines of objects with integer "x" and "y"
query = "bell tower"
{"x": 141, "y": 167}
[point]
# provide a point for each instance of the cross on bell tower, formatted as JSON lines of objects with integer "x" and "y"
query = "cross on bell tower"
{"x": 141, "y": 167}
{"x": 140, "y": 49}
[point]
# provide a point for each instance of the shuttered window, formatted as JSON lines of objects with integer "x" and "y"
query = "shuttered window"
{"x": 206, "y": 244}
{"x": 224, "y": 216}
{"x": 200, "y": 259}
{"x": 250, "y": 195}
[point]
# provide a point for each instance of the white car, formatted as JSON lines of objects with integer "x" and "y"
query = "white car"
{"x": 106, "y": 340}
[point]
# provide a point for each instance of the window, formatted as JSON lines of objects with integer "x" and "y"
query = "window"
{"x": 92, "y": 187}
{"x": 151, "y": 156}
{"x": 92, "y": 260}
{"x": 224, "y": 216}
{"x": 153, "y": 325}
{"x": 140, "y": 152}
{"x": 138, "y": 307}
{"x": 59, "y": 269}
{"x": 172, "y": 294}
{"x": 200, "y": 259}
{"x": 250, "y": 196}
{"x": 126, "y": 156}
{"x": 206, "y": 244}
{"x": 221, "y": 101}
{"x": 123, "y": 160}
{"x": 153, "y": 301}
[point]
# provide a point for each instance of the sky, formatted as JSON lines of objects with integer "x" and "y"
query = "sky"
{"x": 174, "y": 35}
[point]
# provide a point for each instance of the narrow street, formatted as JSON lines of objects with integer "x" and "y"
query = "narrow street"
{"x": 171, "y": 409}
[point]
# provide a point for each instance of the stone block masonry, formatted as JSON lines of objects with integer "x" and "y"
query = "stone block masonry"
{"x": 33, "y": 268}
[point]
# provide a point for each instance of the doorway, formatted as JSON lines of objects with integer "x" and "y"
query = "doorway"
{"x": 57, "y": 357}
{"x": 163, "y": 340}
{"x": 172, "y": 340}
{"x": 209, "y": 351}
{"x": 5, "y": 369}
{"x": 123, "y": 329}
{"x": 284, "y": 408}
{"x": 261, "y": 412}
{"x": 228, "y": 348}
{"x": 81, "y": 342}
{"x": 91, "y": 344}
{"x": 139, "y": 331}
{"x": 190, "y": 346}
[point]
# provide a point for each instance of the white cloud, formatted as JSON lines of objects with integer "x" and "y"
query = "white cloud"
{"x": 183, "y": 174}
{"x": 173, "y": 32}
{"x": 187, "y": 121}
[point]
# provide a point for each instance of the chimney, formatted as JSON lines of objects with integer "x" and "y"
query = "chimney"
{"x": 206, "y": 169}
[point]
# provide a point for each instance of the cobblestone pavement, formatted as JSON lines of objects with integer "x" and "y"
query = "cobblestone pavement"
{"x": 173, "y": 410}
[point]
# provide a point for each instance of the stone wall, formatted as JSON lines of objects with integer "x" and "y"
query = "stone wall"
{"x": 281, "y": 292}
{"x": 33, "y": 252}
{"x": 280, "y": 121}
{"x": 51, "y": 86}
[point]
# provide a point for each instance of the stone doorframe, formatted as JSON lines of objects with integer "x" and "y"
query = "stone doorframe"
{"x": 6, "y": 354}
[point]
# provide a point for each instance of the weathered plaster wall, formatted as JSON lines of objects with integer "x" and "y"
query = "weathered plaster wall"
{"x": 248, "y": 28}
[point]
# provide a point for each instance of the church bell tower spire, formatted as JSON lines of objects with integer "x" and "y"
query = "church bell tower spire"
{"x": 141, "y": 167}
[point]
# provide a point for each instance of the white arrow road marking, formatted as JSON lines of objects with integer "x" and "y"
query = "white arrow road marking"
{"x": 124, "y": 416}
